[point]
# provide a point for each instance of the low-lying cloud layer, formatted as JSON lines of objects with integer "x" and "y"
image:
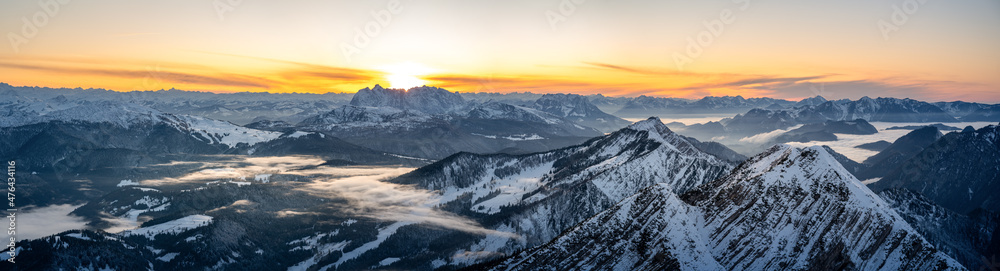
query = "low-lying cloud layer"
{"x": 371, "y": 197}
{"x": 49, "y": 220}
{"x": 764, "y": 138}
{"x": 364, "y": 188}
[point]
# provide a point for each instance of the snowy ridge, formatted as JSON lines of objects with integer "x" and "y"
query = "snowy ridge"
{"x": 635, "y": 153}
{"x": 171, "y": 227}
{"x": 221, "y": 132}
{"x": 787, "y": 208}
{"x": 129, "y": 115}
{"x": 501, "y": 111}
{"x": 663, "y": 232}
{"x": 813, "y": 210}
{"x": 118, "y": 113}
{"x": 539, "y": 195}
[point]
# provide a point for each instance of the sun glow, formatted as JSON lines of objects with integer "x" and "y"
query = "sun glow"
{"x": 406, "y": 75}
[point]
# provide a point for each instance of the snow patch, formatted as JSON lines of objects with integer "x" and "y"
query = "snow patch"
{"x": 167, "y": 257}
{"x": 171, "y": 227}
{"x": 124, "y": 183}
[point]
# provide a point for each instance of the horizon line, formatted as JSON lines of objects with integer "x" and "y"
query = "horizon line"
{"x": 405, "y": 89}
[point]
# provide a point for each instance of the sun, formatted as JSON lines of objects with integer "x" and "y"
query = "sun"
{"x": 406, "y": 75}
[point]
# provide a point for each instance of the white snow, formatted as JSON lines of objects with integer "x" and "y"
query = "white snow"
{"x": 79, "y": 236}
{"x": 523, "y": 137}
{"x": 171, "y": 227}
{"x": 383, "y": 234}
{"x": 387, "y": 261}
{"x": 871, "y": 181}
{"x": 264, "y": 178}
{"x": 124, "y": 183}
{"x": 321, "y": 252}
{"x": 168, "y": 257}
{"x": 222, "y": 132}
{"x": 298, "y": 134}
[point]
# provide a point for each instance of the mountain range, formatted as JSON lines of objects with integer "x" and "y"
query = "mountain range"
{"x": 786, "y": 208}
{"x": 517, "y": 181}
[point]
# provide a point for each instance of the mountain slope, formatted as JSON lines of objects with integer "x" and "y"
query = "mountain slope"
{"x": 960, "y": 171}
{"x": 537, "y": 196}
{"x": 898, "y": 152}
{"x": 967, "y": 238}
{"x": 786, "y": 208}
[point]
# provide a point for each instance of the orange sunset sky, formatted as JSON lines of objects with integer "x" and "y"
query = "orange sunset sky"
{"x": 923, "y": 49}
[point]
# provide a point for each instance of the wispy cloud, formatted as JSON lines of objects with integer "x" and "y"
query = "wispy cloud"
{"x": 228, "y": 80}
{"x": 627, "y": 69}
{"x": 764, "y": 138}
{"x": 300, "y": 69}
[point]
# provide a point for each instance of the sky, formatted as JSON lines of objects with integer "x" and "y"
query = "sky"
{"x": 924, "y": 49}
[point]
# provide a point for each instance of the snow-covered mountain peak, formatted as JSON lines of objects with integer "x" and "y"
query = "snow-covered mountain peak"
{"x": 655, "y": 127}
{"x": 652, "y": 124}
{"x": 805, "y": 168}
{"x": 426, "y": 99}
{"x": 787, "y": 208}
{"x": 812, "y": 101}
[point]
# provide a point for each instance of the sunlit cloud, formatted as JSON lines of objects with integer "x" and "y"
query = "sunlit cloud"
{"x": 228, "y": 80}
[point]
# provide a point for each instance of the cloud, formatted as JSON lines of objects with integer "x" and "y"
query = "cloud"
{"x": 765, "y": 138}
{"x": 628, "y": 69}
{"x": 301, "y": 69}
{"x": 237, "y": 167}
{"x": 512, "y": 83}
{"x": 49, "y": 220}
{"x": 362, "y": 187}
{"x": 228, "y": 80}
{"x": 370, "y": 197}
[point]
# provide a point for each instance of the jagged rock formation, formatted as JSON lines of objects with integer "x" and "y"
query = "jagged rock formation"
{"x": 786, "y": 208}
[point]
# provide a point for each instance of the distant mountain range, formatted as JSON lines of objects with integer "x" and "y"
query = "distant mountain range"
{"x": 580, "y": 110}
{"x": 644, "y": 105}
{"x": 737, "y": 131}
